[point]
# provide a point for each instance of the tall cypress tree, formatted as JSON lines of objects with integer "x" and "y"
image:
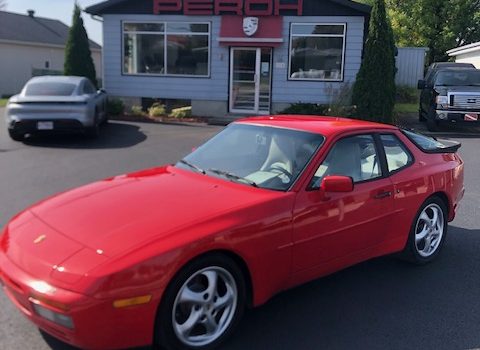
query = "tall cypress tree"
{"x": 78, "y": 57}
{"x": 374, "y": 89}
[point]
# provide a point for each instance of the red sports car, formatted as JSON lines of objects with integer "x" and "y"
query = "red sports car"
{"x": 173, "y": 255}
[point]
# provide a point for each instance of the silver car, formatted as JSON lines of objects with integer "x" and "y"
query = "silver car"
{"x": 56, "y": 104}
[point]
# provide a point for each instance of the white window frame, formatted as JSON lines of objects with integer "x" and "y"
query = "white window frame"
{"x": 344, "y": 37}
{"x": 166, "y": 34}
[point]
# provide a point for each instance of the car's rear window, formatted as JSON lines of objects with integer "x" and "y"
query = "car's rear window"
{"x": 430, "y": 145}
{"x": 50, "y": 89}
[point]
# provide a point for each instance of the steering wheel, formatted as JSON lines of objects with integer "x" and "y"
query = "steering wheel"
{"x": 277, "y": 167}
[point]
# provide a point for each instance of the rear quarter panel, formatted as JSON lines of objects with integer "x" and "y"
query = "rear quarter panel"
{"x": 430, "y": 174}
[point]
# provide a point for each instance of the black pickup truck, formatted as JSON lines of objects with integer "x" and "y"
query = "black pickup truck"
{"x": 450, "y": 95}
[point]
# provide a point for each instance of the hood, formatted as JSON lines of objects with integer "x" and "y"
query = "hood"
{"x": 444, "y": 90}
{"x": 114, "y": 216}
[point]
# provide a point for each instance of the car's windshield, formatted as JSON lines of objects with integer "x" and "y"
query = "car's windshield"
{"x": 49, "y": 89}
{"x": 260, "y": 156}
{"x": 458, "y": 78}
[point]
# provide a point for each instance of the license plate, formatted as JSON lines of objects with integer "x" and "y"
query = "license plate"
{"x": 45, "y": 125}
{"x": 471, "y": 117}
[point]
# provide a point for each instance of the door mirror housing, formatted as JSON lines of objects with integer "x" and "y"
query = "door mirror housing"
{"x": 101, "y": 91}
{"x": 337, "y": 184}
{"x": 421, "y": 84}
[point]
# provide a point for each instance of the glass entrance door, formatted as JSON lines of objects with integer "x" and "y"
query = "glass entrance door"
{"x": 250, "y": 80}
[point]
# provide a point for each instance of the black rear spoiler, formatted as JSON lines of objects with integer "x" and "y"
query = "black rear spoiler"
{"x": 450, "y": 147}
{"x": 436, "y": 146}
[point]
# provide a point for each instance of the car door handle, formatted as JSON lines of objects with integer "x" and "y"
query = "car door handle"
{"x": 382, "y": 195}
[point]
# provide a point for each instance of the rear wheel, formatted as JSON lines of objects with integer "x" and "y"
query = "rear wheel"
{"x": 432, "y": 123}
{"x": 428, "y": 232}
{"x": 94, "y": 131}
{"x": 202, "y": 305}
{"x": 16, "y": 136}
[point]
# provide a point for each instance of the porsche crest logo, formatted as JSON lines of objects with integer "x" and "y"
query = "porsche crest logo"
{"x": 40, "y": 239}
{"x": 250, "y": 25}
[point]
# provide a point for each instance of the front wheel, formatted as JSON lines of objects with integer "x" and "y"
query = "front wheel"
{"x": 428, "y": 232}
{"x": 202, "y": 305}
{"x": 16, "y": 136}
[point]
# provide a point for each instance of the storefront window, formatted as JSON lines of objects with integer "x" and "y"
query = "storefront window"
{"x": 166, "y": 48}
{"x": 317, "y": 52}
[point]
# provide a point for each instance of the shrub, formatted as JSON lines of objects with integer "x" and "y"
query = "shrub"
{"x": 115, "y": 106}
{"x": 374, "y": 89}
{"x": 306, "y": 108}
{"x": 183, "y": 112}
{"x": 78, "y": 57}
{"x": 157, "y": 110}
{"x": 137, "y": 111}
{"x": 406, "y": 94}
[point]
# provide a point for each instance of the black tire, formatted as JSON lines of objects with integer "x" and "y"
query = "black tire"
{"x": 93, "y": 132}
{"x": 165, "y": 335}
{"x": 412, "y": 249}
{"x": 432, "y": 125}
{"x": 421, "y": 117}
{"x": 16, "y": 136}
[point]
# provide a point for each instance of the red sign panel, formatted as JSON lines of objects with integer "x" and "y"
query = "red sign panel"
{"x": 269, "y": 32}
{"x": 219, "y": 7}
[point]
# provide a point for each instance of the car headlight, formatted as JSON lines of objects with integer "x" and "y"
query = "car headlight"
{"x": 442, "y": 101}
{"x": 52, "y": 316}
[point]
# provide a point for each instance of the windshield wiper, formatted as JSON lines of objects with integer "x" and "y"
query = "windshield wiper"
{"x": 193, "y": 166}
{"x": 232, "y": 176}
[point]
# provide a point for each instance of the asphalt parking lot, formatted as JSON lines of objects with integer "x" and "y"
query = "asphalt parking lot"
{"x": 380, "y": 304}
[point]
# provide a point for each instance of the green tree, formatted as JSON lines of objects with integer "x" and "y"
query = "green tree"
{"x": 78, "y": 57}
{"x": 439, "y": 25}
{"x": 374, "y": 89}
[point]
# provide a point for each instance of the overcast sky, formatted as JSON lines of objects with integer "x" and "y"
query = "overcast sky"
{"x": 59, "y": 9}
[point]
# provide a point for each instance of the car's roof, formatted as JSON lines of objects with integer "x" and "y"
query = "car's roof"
{"x": 57, "y": 79}
{"x": 327, "y": 126}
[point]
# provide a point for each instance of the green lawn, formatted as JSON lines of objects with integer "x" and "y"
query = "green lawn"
{"x": 406, "y": 108}
{"x": 3, "y": 102}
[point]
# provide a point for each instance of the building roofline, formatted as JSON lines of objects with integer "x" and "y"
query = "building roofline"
{"x": 102, "y": 7}
{"x": 464, "y": 49}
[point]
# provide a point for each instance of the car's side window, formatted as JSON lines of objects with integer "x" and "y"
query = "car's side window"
{"x": 354, "y": 156}
{"x": 398, "y": 156}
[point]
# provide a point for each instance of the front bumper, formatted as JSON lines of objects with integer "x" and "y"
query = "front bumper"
{"x": 455, "y": 116}
{"x": 96, "y": 323}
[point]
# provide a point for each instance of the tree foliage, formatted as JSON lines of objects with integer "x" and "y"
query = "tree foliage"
{"x": 374, "y": 89}
{"x": 439, "y": 25}
{"x": 78, "y": 57}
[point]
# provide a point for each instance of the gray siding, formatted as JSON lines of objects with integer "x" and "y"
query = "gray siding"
{"x": 291, "y": 91}
{"x": 216, "y": 87}
{"x": 410, "y": 65}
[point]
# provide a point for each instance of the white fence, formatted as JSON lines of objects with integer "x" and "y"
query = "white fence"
{"x": 410, "y": 65}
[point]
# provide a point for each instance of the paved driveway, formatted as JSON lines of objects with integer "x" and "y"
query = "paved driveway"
{"x": 380, "y": 304}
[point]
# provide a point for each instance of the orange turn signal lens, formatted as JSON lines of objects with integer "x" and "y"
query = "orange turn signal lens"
{"x": 145, "y": 299}
{"x": 55, "y": 304}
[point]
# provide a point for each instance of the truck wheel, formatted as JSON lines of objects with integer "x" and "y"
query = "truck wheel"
{"x": 421, "y": 117}
{"x": 16, "y": 136}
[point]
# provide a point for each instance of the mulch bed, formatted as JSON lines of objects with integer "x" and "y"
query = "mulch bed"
{"x": 164, "y": 120}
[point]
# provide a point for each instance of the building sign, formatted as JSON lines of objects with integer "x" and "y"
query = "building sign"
{"x": 223, "y": 7}
{"x": 250, "y": 25}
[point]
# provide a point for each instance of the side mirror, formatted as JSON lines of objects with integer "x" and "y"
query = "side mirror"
{"x": 337, "y": 184}
{"x": 101, "y": 91}
{"x": 421, "y": 85}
